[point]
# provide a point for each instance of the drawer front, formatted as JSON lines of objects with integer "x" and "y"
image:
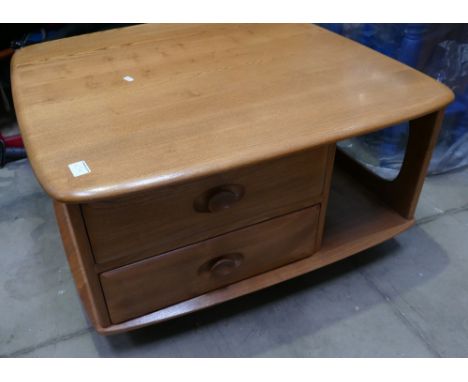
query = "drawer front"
{"x": 135, "y": 228}
{"x": 164, "y": 280}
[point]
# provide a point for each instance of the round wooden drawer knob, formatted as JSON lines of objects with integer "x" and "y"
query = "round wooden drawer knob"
{"x": 223, "y": 265}
{"x": 221, "y": 200}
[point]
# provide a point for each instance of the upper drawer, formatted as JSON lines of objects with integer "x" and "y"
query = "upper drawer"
{"x": 136, "y": 227}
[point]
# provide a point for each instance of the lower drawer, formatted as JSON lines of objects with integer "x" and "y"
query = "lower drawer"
{"x": 164, "y": 280}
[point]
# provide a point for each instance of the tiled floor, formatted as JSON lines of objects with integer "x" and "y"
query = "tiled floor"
{"x": 406, "y": 297}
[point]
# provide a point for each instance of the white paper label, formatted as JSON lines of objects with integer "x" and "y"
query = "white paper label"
{"x": 79, "y": 168}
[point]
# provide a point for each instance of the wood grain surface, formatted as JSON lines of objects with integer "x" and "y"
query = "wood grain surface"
{"x": 152, "y": 105}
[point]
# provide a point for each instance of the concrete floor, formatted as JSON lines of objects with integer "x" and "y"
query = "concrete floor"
{"x": 405, "y": 298}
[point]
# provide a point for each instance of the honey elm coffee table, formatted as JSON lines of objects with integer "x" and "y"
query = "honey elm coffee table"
{"x": 193, "y": 164}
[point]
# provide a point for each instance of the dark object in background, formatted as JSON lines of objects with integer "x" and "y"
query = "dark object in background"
{"x": 9, "y": 154}
{"x": 11, "y": 148}
{"x": 439, "y": 50}
{"x": 6, "y": 104}
{"x": 37, "y": 33}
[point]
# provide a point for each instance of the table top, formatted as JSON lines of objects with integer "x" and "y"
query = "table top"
{"x": 125, "y": 110}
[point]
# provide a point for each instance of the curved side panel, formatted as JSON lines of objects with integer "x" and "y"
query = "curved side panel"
{"x": 402, "y": 193}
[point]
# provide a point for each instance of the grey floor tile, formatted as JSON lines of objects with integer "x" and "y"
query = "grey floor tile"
{"x": 37, "y": 294}
{"x": 78, "y": 345}
{"x": 348, "y": 318}
{"x": 426, "y": 281}
{"x": 16, "y": 181}
{"x": 444, "y": 192}
{"x": 372, "y": 333}
{"x": 462, "y": 218}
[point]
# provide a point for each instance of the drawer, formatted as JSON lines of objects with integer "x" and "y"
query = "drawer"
{"x": 164, "y": 280}
{"x": 137, "y": 227}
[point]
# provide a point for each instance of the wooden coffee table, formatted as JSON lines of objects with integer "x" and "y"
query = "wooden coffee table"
{"x": 193, "y": 164}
